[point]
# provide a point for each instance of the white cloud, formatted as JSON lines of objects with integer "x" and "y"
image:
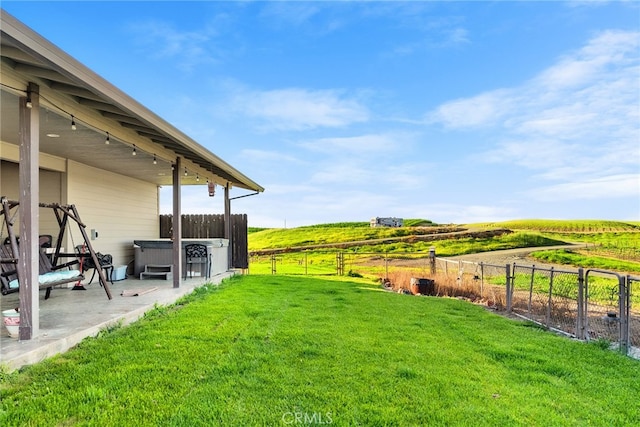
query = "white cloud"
{"x": 481, "y": 110}
{"x": 163, "y": 41}
{"x": 357, "y": 145}
{"x": 289, "y": 13}
{"x": 601, "y": 75}
{"x": 270, "y": 157}
{"x": 453, "y": 213}
{"x": 299, "y": 109}
{"x": 577, "y": 123}
{"x": 608, "y": 187}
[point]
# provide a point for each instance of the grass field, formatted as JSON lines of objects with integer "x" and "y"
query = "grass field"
{"x": 263, "y": 350}
{"x": 564, "y": 226}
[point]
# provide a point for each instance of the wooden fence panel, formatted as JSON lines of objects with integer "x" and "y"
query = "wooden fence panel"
{"x": 200, "y": 226}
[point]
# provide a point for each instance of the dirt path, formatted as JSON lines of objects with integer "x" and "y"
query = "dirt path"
{"x": 519, "y": 256}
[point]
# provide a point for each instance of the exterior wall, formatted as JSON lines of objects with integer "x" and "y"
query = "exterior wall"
{"x": 118, "y": 208}
{"x": 51, "y": 184}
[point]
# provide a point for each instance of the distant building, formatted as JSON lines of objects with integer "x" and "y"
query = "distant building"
{"x": 386, "y": 222}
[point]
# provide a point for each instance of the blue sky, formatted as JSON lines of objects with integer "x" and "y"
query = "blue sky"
{"x": 455, "y": 112}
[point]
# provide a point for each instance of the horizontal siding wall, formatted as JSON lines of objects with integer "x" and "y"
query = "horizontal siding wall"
{"x": 119, "y": 208}
{"x": 50, "y": 192}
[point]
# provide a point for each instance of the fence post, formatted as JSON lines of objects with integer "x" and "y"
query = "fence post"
{"x": 533, "y": 274}
{"x": 273, "y": 263}
{"x": 339, "y": 263}
{"x": 432, "y": 259}
{"x": 386, "y": 265}
{"x": 581, "y": 296}
{"x": 508, "y": 287}
{"x": 624, "y": 303}
{"x": 482, "y": 280}
{"x": 305, "y": 263}
{"x": 549, "y": 302}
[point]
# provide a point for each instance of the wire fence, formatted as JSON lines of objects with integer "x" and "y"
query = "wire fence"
{"x": 587, "y": 304}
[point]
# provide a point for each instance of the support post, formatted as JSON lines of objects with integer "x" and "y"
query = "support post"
{"x": 28, "y": 264}
{"x": 177, "y": 224}
{"x": 227, "y": 225}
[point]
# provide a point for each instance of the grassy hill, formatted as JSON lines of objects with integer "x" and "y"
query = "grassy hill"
{"x": 604, "y": 239}
{"x": 335, "y": 233}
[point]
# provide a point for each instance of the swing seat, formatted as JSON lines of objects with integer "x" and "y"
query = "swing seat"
{"x": 49, "y": 276}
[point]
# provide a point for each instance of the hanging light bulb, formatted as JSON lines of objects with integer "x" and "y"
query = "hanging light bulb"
{"x": 185, "y": 171}
{"x": 108, "y": 140}
{"x": 73, "y": 123}
{"x": 173, "y": 167}
{"x": 155, "y": 161}
{"x": 197, "y": 177}
{"x": 29, "y": 104}
{"x": 134, "y": 152}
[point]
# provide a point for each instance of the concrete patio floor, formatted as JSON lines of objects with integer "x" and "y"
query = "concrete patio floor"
{"x": 69, "y": 316}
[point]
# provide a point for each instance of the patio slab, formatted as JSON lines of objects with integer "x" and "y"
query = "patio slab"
{"x": 69, "y": 316}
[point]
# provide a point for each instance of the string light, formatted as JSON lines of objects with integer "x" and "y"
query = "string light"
{"x": 107, "y": 141}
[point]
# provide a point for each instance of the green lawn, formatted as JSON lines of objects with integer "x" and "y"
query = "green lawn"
{"x": 277, "y": 350}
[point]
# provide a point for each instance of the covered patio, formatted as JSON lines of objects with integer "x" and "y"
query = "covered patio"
{"x": 69, "y": 316}
{"x": 69, "y": 137}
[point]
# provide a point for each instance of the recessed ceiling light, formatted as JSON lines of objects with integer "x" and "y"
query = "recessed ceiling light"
{"x": 53, "y": 135}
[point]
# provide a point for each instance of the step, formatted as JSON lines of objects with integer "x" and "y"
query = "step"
{"x": 166, "y": 275}
{"x": 152, "y": 271}
{"x": 151, "y": 268}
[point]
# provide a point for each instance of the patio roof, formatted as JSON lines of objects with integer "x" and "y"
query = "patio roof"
{"x": 69, "y": 91}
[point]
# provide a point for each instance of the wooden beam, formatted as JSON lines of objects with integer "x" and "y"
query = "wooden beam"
{"x": 177, "y": 224}
{"x": 227, "y": 224}
{"x": 28, "y": 259}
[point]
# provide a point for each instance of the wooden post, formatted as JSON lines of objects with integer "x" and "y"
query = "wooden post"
{"x": 432, "y": 259}
{"x": 177, "y": 224}
{"x": 227, "y": 224}
{"x": 28, "y": 264}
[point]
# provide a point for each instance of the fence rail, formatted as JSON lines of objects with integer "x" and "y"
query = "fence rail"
{"x": 586, "y": 304}
{"x": 206, "y": 226}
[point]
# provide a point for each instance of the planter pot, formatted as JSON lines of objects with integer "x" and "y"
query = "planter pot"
{"x": 11, "y": 321}
{"x": 422, "y": 286}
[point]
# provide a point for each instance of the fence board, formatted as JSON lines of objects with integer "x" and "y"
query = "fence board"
{"x": 211, "y": 226}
